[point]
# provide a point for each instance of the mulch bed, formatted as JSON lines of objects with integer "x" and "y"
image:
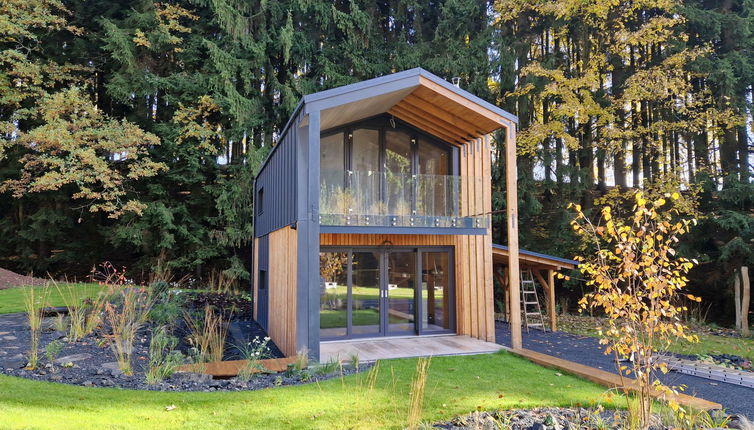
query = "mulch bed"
{"x": 10, "y": 279}
{"x": 90, "y": 362}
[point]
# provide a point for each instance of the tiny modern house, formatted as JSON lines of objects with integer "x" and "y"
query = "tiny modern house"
{"x": 372, "y": 215}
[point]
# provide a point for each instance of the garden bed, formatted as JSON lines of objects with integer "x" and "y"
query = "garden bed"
{"x": 582, "y": 418}
{"x": 168, "y": 337}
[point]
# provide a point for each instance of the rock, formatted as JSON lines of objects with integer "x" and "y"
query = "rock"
{"x": 191, "y": 377}
{"x": 87, "y": 383}
{"x": 111, "y": 365}
{"x": 9, "y": 338}
{"x": 57, "y": 334}
{"x": 108, "y": 382}
{"x": 48, "y": 366}
{"x": 217, "y": 383}
{"x": 538, "y": 426}
{"x": 117, "y": 373}
{"x": 56, "y": 378}
{"x": 72, "y": 358}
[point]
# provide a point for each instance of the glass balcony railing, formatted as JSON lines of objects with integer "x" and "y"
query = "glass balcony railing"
{"x": 365, "y": 198}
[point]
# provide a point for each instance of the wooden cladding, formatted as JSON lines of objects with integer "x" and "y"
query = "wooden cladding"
{"x": 473, "y": 253}
{"x": 282, "y": 289}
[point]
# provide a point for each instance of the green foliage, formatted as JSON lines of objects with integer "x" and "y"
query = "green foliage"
{"x": 168, "y": 308}
{"x": 163, "y": 358}
{"x": 52, "y": 350}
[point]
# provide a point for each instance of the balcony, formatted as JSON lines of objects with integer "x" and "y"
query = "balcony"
{"x": 387, "y": 199}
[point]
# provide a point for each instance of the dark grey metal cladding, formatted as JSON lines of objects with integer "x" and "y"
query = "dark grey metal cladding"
{"x": 307, "y": 224}
{"x": 278, "y": 180}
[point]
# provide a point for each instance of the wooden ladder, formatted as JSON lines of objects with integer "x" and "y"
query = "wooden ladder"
{"x": 530, "y": 302}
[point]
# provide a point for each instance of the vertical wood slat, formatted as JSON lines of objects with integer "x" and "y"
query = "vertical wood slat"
{"x": 551, "y": 310}
{"x": 473, "y": 255}
{"x": 489, "y": 297}
{"x": 282, "y": 289}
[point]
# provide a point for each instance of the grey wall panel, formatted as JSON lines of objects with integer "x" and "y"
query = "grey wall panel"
{"x": 278, "y": 179}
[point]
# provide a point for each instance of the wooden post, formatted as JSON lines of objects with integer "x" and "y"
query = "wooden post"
{"x": 551, "y": 287}
{"x": 745, "y": 300}
{"x": 737, "y": 298}
{"x": 511, "y": 204}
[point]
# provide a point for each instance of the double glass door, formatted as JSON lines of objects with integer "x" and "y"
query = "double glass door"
{"x": 367, "y": 292}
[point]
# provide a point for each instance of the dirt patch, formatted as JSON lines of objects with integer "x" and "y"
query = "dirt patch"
{"x": 11, "y": 279}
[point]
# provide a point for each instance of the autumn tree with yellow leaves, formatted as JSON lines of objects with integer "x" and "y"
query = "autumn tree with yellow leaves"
{"x": 638, "y": 282}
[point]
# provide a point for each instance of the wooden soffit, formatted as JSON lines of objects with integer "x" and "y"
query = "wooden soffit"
{"x": 417, "y": 97}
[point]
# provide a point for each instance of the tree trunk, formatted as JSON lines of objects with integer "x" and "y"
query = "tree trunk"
{"x": 743, "y": 154}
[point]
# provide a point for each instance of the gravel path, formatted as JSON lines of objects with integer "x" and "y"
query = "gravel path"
{"x": 587, "y": 350}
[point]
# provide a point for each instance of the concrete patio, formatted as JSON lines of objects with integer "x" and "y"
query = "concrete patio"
{"x": 404, "y": 347}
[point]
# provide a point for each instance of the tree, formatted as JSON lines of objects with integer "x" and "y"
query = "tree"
{"x": 637, "y": 281}
{"x": 80, "y": 150}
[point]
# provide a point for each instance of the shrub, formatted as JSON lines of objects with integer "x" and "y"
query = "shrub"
{"x": 52, "y": 350}
{"x": 84, "y": 314}
{"x": 168, "y": 307}
{"x": 163, "y": 358}
{"x": 208, "y": 334}
{"x": 253, "y": 352}
{"x": 125, "y": 321}
{"x": 34, "y": 302}
{"x": 636, "y": 281}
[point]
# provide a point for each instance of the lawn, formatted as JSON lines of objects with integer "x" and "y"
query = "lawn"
{"x": 12, "y": 299}
{"x": 456, "y": 385}
{"x": 708, "y": 343}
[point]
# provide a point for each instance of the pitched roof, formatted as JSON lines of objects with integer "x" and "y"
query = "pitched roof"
{"x": 415, "y": 96}
{"x": 530, "y": 258}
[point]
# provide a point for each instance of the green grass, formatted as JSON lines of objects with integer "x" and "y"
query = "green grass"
{"x": 708, "y": 343}
{"x": 456, "y": 385}
{"x": 12, "y": 299}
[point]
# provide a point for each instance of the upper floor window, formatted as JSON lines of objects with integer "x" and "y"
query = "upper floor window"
{"x": 381, "y": 172}
{"x": 376, "y": 146}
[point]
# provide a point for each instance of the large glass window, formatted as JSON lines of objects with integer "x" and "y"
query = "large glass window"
{"x": 398, "y": 184}
{"x": 333, "y": 302}
{"x": 388, "y": 174}
{"x": 434, "y": 185}
{"x": 385, "y": 291}
{"x": 332, "y": 155}
{"x": 436, "y": 291}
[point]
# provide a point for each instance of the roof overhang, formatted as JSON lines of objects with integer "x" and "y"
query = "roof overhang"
{"x": 415, "y": 96}
{"x": 532, "y": 259}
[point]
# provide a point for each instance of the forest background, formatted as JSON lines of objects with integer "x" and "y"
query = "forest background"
{"x": 130, "y": 131}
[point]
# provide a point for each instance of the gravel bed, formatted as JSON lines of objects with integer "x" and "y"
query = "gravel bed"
{"x": 735, "y": 399}
{"x": 553, "y": 419}
{"x": 90, "y": 362}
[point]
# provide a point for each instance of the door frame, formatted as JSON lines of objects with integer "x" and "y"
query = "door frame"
{"x": 384, "y": 324}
